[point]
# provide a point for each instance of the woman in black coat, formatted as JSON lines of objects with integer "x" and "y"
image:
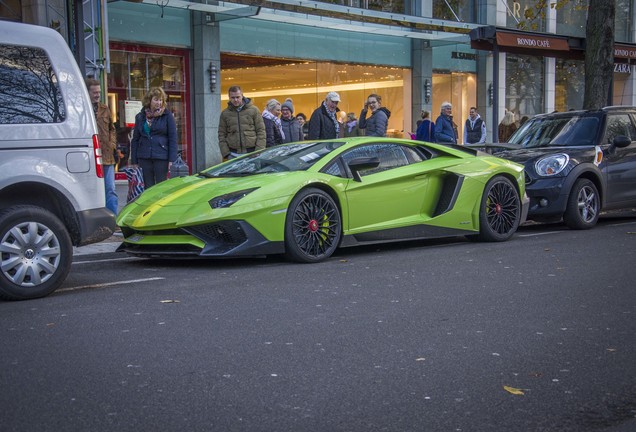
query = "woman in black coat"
{"x": 154, "y": 143}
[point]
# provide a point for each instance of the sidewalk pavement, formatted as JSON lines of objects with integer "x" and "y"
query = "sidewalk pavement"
{"x": 111, "y": 243}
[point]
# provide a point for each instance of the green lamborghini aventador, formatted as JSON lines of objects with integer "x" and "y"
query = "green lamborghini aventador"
{"x": 308, "y": 198}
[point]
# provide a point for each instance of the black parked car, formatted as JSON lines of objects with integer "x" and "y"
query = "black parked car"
{"x": 577, "y": 163}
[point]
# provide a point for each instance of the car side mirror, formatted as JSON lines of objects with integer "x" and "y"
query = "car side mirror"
{"x": 358, "y": 164}
{"x": 621, "y": 141}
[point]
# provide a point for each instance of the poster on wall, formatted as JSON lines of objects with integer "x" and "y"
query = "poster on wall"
{"x": 131, "y": 108}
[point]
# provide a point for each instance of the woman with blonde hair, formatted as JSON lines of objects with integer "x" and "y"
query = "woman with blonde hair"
{"x": 507, "y": 126}
{"x": 273, "y": 126}
{"x": 154, "y": 143}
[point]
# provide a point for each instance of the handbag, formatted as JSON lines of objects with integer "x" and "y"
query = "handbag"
{"x": 135, "y": 178}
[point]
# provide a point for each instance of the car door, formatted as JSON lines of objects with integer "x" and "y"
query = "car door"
{"x": 389, "y": 196}
{"x": 621, "y": 162}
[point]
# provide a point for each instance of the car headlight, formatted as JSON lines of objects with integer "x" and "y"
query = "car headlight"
{"x": 552, "y": 165}
{"x": 223, "y": 201}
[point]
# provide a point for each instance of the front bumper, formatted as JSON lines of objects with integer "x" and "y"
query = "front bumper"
{"x": 214, "y": 240}
{"x": 548, "y": 198}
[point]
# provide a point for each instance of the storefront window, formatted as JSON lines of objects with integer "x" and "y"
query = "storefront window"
{"x": 524, "y": 15}
{"x": 454, "y": 10}
{"x": 133, "y": 72}
{"x": 570, "y": 84}
{"x": 306, "y": 83}
{"x": 524, "y": 85}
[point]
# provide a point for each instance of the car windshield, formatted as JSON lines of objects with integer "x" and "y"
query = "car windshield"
{"x": 557, "y": 131}
{"x": 282, "y": 158}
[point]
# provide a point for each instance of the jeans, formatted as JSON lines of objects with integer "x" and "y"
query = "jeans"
{"x": 112, "y": 202}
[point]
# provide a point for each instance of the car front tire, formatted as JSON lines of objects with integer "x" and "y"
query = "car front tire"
{"x": 35, "y": 253}
{"x": 583, "y": 207}
{"x": 313, "y": 226}
{"x": 500, "y": 211}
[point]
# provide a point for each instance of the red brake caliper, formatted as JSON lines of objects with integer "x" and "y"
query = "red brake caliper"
{"x": 498, "y": 208}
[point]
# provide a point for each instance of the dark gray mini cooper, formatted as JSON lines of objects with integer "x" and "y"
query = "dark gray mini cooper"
{"x": 577, "y": 163}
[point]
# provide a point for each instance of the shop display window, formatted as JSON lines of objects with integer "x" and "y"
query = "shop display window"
{"x": 307, "y": 83}
{"x": 134, "y": 71}
{"x": 524, "y": 85}
{"x": 569, "y": 84}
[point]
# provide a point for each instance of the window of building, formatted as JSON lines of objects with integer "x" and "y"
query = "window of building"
{"x": 524, "y": 85}
{"x": 569, "y": 84}
{"x": 29, "y": 90}
{"x": 623, "y": 23}
{"x": 524, "y": 15}
{"x": 396, "y": 6}
{"x": 572, "y": 18}
{"x": 454, "y": 10}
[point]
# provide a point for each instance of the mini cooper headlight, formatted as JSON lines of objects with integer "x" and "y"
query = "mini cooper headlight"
{"x": 223, "y": 201}
{"x": 552, "y": 165}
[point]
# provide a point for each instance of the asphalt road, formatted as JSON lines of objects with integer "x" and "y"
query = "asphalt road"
{"x": 534, "y": 334}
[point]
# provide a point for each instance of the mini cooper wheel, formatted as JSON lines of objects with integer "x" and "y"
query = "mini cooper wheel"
{"x": 313, "y": 227}
{"x": 35, "y": 253}
{"x": 583, "y": 206}
{"x": 500, "y": 211}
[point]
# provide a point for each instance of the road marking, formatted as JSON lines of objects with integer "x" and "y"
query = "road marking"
{"x": 540, "y": 234}
{"x": 622, "y": 223}
{"x": 109, "y": 284}
{"x": 105, "y": 260}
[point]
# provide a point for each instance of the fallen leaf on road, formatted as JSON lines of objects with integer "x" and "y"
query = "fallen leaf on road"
{"x": 170, "y": 301}
{"x": 420, "y": 359}
{"x": 514, "y": 391}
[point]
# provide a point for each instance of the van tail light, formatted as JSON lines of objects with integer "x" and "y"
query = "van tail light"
{"x": 98, "y": 157}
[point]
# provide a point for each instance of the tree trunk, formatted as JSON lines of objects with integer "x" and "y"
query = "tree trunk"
{"x": 599, "y": 53}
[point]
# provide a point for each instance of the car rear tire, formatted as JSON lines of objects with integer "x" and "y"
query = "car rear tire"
{"x": 500, "y": 211}
{"x": 313, "y": 226}
{"x": 35, "y": 253}
{"x": 584, "y": 205}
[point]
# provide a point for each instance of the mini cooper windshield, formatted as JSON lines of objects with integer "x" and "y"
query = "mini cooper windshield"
{"x": 559, "y": 131}
{"x": 282, "y": 158}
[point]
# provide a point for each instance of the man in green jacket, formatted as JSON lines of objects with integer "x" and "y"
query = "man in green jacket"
{"x": 241, "y": 127}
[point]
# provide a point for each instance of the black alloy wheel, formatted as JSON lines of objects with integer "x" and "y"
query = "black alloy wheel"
{"x": 500, "y": 212}
{"x": 313, "y": 226}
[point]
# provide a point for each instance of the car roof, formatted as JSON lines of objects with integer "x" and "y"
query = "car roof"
{"x": 572, "y": 113}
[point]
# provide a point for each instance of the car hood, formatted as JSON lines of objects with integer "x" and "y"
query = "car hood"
{"x": 186, "y": 191}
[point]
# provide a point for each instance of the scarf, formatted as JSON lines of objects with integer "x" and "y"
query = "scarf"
{"x": 351, "y": 125}
{"x": 333, "y": 118}
{"x": 276, "y": 120}
{"x": 150, "y": 116}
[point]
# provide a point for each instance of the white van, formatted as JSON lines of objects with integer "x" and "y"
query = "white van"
{"x": 51, "y": 177}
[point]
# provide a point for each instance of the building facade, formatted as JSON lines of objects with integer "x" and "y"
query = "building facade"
{"x": 491, "y": 54}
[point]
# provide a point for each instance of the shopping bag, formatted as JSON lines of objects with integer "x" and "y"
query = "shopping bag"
{"x": 135, "y": 179}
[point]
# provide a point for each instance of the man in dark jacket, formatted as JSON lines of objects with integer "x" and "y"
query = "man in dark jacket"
{"x": 293, "y": 130}
{"x": 323, "y": 123}
{"x": 475, "y": 128}
{"x": 444, "y": 128}
{"x": 241, "y": 126}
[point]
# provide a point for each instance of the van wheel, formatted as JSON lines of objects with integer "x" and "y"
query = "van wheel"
{"x": 35, "y": 253}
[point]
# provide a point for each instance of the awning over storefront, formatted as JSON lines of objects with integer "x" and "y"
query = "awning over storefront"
{"x": 493, "y": 38}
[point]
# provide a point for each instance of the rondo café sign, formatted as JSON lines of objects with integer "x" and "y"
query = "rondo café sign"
{"x": 532, "y": 41}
